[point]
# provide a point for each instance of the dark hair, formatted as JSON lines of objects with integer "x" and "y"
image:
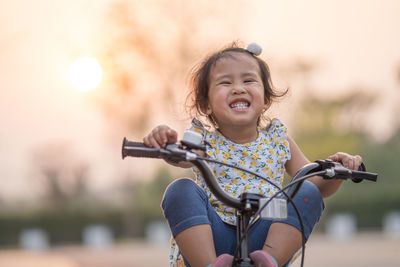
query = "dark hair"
{"x": 198, "y": 94}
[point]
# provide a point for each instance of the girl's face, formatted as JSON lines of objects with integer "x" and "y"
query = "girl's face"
{"x": 236, "y": 92}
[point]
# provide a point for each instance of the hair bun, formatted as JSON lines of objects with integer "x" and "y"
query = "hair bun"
{"x": 254, "y": 48}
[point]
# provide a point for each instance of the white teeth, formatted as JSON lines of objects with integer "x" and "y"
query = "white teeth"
{"x": 239, "y": 105}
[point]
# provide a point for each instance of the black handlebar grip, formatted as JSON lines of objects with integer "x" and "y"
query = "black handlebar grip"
{"x": 365, "y": 176}
{"x": 138, "y": 149}
{"x": 361, "y": 168}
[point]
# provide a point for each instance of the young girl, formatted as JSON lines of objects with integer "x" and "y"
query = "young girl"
{"x": 232, "y": 89}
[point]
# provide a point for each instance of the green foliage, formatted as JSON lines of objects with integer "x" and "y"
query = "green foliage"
{"x": 316, "y": 132}
{"x": 318, "y": 138}
{"x": 150, "y": 196}
{"x": 63, "y": 225}
{"x": 370, "y": 202}
{"x": 64, "y": 222}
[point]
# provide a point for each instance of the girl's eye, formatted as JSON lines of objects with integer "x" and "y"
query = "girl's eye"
{"x": 225, "y": 82}
{"x": 249, "y": 81}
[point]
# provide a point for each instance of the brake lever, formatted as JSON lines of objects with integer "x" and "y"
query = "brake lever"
{"x": 173, "y": 153}
{"x": 335, "y": 170}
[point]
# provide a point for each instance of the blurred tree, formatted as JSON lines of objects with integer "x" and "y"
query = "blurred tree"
{"x": 324, "y": 126}
{"x": 151, "y": 194}
{"x": 370, "y": 202}
{"x": 151, "y": 46}
{"x": 398, "y": 96}
{"x": 142, "y": 202}
{"x": 64, "y": 173}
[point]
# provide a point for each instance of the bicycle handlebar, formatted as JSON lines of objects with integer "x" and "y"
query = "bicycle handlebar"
{"x": 176, "y": 153}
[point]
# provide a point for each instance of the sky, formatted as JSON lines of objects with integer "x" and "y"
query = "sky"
{"x": 355, "y": 43}
{"x": 356, "y": 40}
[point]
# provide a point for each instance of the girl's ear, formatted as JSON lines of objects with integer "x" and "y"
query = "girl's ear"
{"x": 267, "y": 103}
{"x": 208, "y": 109}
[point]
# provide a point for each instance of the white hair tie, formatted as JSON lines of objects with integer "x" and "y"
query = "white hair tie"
{"x": 254, "y": 48}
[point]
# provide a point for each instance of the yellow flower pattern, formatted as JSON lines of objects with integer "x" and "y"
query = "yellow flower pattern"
{"x": 227, "y": 155}
{"x": 265, "y": 156}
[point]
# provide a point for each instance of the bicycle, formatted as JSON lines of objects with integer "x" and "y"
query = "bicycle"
{"x": 249, "y": 205}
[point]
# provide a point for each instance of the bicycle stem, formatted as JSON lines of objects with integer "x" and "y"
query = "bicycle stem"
{"x": 243, "y": 219}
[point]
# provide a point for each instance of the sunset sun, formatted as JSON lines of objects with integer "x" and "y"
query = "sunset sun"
{"x": 85, "y": 74}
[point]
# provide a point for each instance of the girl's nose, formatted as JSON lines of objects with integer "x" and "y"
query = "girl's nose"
{"x": 238, "y": 89}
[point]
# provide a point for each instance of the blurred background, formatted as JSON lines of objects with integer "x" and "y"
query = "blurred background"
{"x": 78, "y": 76}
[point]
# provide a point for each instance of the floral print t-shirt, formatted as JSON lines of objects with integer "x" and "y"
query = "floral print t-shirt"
{"x": 265, "y": 156}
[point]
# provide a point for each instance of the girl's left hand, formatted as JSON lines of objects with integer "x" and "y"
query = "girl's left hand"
{"x": 349, "y": 161}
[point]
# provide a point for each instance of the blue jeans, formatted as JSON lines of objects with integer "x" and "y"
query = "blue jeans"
{"x": 185, "y": 204}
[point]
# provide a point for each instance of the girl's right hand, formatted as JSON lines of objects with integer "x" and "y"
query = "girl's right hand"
{"x": 160, "y": 137}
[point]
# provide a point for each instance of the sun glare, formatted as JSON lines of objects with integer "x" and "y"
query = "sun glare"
{"x": 85, "y": 74}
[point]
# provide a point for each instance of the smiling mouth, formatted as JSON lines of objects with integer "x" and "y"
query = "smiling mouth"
{"x": 239, "y": 105}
